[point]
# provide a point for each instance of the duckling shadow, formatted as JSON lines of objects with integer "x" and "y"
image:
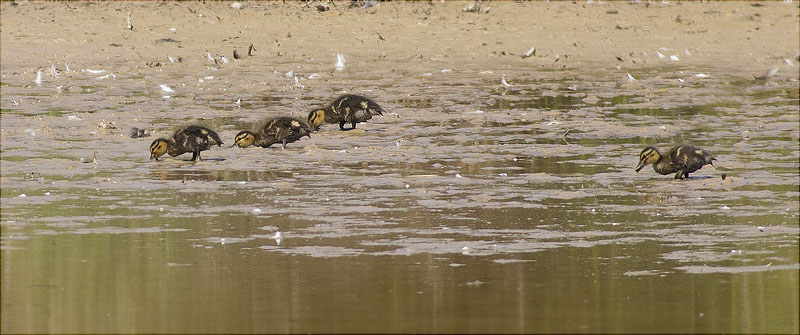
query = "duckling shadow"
{"x": 701, "y": 177}
{"x": 209, "y": 159}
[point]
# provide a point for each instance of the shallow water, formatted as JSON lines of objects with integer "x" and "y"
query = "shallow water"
{"x": 470, "y": 207}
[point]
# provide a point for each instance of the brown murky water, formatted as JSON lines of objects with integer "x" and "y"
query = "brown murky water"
{"x": 471, "y": 207}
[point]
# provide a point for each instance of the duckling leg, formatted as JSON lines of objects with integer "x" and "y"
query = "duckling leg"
{"x": 679, "y": 174}
{"x": 195, "y": 156}
{"x": 354, "y": 125}
{"x": 341, "y": 125}
{"x": 284, "y": 144}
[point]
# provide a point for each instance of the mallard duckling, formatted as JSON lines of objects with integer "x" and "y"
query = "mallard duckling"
{"x": 278, "y": 130}
{"x": 192, "y": 139}
{"x": 348, "y": 108}
{"x": 682, "y": 159}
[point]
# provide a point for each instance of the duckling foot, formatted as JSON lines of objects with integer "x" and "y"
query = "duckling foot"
{"x": 680, "y": 174}
{"x": 342, "y": 123}
{"x": 195, "y": 156}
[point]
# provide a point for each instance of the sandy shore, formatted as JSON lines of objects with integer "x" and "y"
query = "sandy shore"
{"x": 736, "y": 36}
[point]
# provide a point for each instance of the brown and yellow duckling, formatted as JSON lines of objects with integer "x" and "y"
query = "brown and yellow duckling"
{"x": 681, "y": 160}
{"x": 192, "y": 139}
{"x": 348, "y": 108}
{"x": 278, "y": 130}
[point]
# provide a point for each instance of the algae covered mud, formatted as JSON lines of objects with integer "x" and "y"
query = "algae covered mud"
{"x": 497, "y": 194}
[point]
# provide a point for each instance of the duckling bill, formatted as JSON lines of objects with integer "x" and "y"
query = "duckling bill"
{"x": 348, "y": 108}
{"x": 192, "y": 139}
{"x": 282, "y": 130}
{"x": 682, "y": 160}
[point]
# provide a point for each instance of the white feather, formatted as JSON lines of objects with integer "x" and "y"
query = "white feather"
{"x": 339, "y": 62}
{"x": 630, "y": 77}
{"x": 504, "y": 82}
{"x": 165, "y": 88}
{"x": 38, "y": 80}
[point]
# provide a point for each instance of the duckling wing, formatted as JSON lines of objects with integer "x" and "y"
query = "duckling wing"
{"x": 199, "y": 137}
{"x": 689, "y": 158}
{"x": 296, "y": 129}
{"x": 373, "y": 107}
{"x": 357, "y": 115}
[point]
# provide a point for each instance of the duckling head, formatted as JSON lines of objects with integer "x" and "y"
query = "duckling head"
{"x": 244, "y": 139}
{"x": 158, "y": 148}
{"x": 316, "y": 118}
{"x": 649, "y": 155}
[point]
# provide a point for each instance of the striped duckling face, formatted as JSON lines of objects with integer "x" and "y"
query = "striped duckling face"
{"x": 244, "y": 139}
{"x": 316, "y": 118}
{"x": 158, "y": 148}
{"x": 649, "y": 155}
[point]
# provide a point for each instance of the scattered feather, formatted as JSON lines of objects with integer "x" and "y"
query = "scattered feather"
{"x": 660, "y": 55}
{"x": 278, "y": 237}
{"x": 224, "y": 59}
{"x": 701, "y": 75}
{"x": 130, "y": 25}
{"x": 289, "y": 74}
{"x": 504, "y": 82}
{"x": 110, "y": 75}
{"x": 53, "y": 71}
{"x": 314, "y": 76}
{"x": 297, "y": 83}
{"x": 771, "y": 72}
{"x": 94, "y": 71}
{"x": 208, "y": 55}
{"x": 788, "y": 62}
{"x": 686, "y": 51}
{"x": 339, "y": 62}
{"x": 630, "y": 77}
{"x": 38, "y": 79}
{"x": 165, "y": 88}
{"x": 530, "y": 52}
{"x": 674, "y": 58}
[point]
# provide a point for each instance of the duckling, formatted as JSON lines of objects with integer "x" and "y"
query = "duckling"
{"x": 278, "y": 130}
{"x": 682, "y": 159}
{"x": 348, "y": 108}
{"x": 192, "y": 139}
